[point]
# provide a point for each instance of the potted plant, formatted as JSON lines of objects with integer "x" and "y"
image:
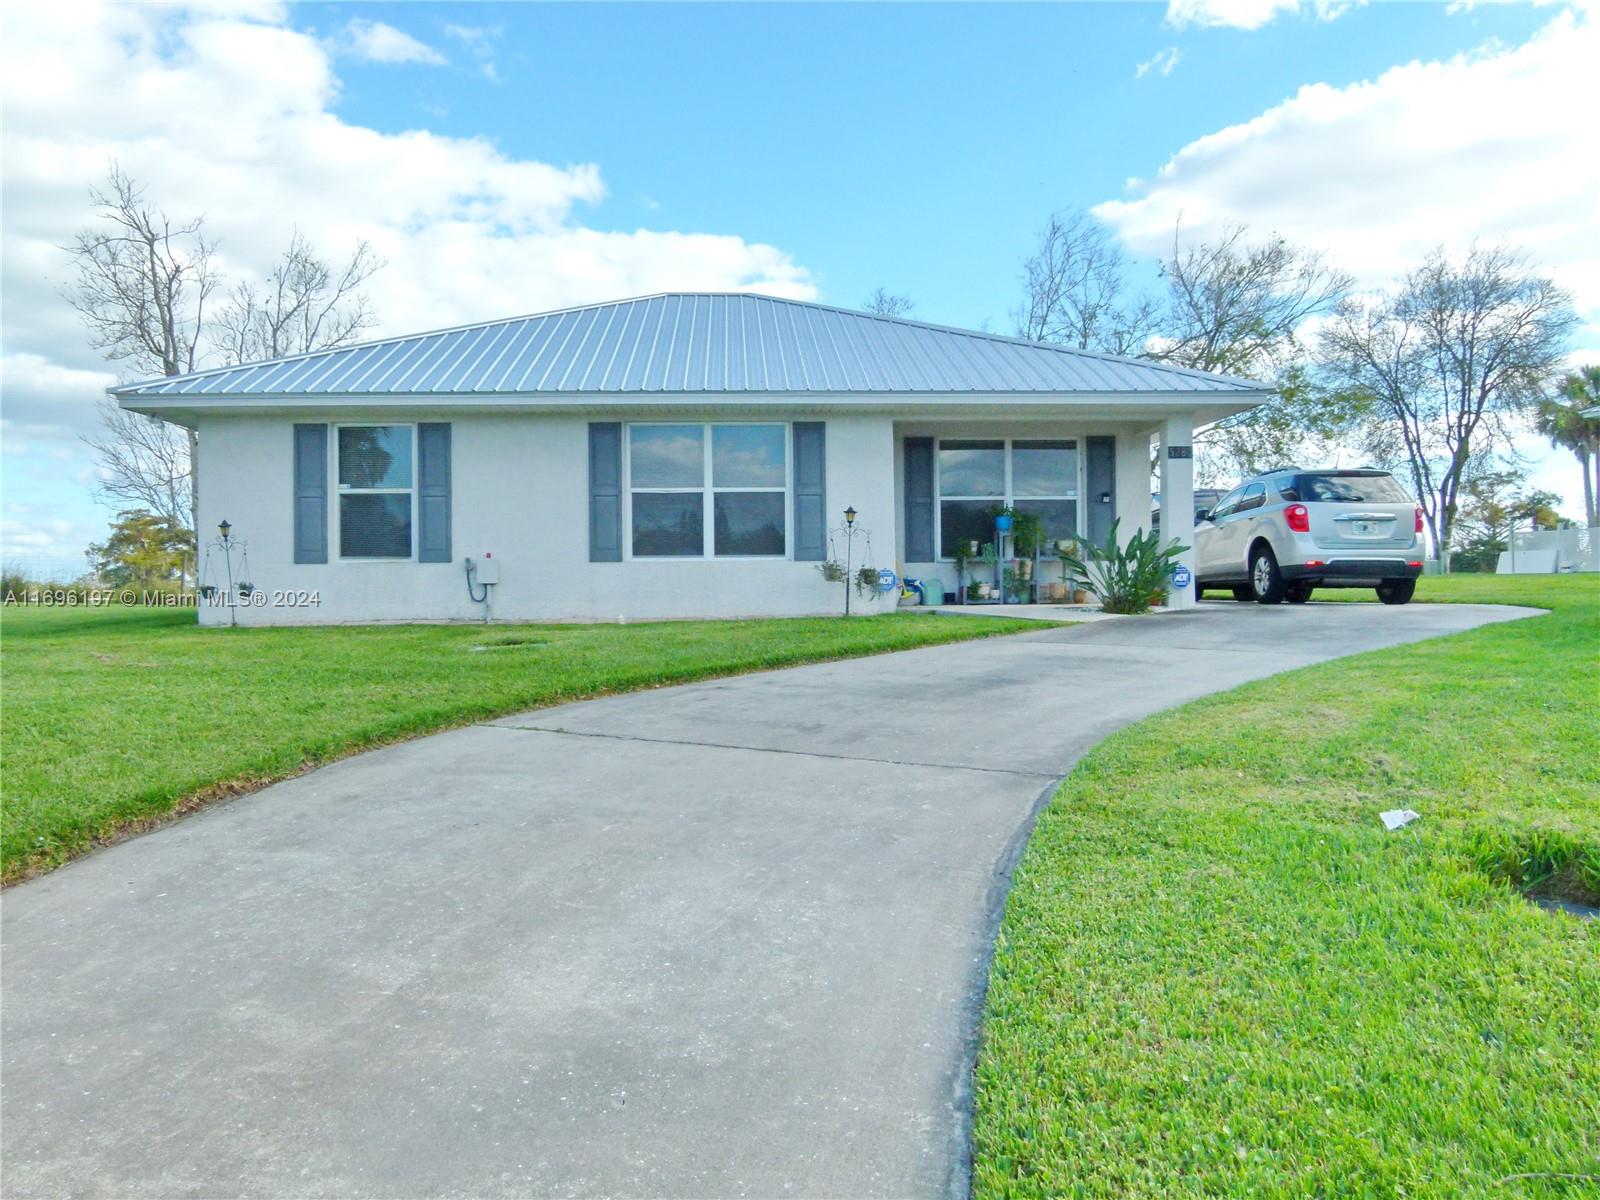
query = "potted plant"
{"x": 867, "y": 583}
{"x": 959, "y": 555}
{"x": 832, "y": 571}
{"x": 1016, "y": 588}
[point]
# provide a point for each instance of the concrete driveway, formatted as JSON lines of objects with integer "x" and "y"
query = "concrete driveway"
{"x": 717, "y": 940}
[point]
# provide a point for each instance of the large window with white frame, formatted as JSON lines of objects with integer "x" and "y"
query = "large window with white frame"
{"x": 708, "y": 490}
{"x": 978, "y": 475}
{"x": 376, "y": 470}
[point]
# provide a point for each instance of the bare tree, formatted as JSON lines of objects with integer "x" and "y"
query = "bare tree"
{"x": 1238, "y": 307}
{"x": 1446, "y": 360}
{"x": 1076, "y": 293}
{"x": 144, "y": 463}
{"x": 885, "y": 303}
{"x": 143, "y": 284}
{"x": 141, "y": 287}
{"x": 302, "y": 306}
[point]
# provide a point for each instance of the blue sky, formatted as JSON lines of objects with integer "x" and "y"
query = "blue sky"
{"x": 509, "y": 158}
{"x": 918, "y": 147}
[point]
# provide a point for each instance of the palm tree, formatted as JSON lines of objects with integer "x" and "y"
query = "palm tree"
{"x": 1561, "y": 419}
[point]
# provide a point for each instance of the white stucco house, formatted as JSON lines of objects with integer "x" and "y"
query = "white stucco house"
{"x": 680, "y": 455}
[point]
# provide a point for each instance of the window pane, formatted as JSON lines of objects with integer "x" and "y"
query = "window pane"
{"x": 668, "y": 524}
{"x": 375, "y": 456}
{"x": 1059, "y": 517}
{"x": 1341, "y": 488}
{"x": 375, "y": 525}
{"x": 667, "y": 456}
{"x": 1044, "y": 469}
{"x": 972, "y": 469}
{"x": 962, "y": 521}
{"x": 747, "y": 456}
{"x": 749, "y": 522}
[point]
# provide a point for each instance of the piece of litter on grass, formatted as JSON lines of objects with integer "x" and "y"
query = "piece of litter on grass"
{"x": 1398, "y": 818}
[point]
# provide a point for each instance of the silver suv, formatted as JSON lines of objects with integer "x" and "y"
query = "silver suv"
{"x": 1281, "y": 534}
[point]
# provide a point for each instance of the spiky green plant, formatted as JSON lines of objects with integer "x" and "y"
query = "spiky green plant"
{"x": 1125, "y": 579}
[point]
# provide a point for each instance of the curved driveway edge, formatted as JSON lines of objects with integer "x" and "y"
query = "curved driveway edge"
{"x": 722, "y": 939}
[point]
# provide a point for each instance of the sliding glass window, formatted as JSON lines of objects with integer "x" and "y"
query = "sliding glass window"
{"x": 978, "y": 476}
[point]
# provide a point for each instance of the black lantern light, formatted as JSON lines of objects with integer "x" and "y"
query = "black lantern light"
{"x": 850, "y": 516}
{"x": 223, "y": 529}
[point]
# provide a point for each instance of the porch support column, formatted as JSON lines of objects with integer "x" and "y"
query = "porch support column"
{"x": 1177, "y": 496}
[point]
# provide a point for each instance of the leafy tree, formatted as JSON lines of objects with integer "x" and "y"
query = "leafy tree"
{"x": 1493, "y": 507}
{"x": 1560, "y": 418}
{"x": 143, "y": 549}
{"x": 1447, "y": 362}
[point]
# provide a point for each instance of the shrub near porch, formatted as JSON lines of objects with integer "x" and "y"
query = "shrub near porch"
{"x": 1218, "y": 974}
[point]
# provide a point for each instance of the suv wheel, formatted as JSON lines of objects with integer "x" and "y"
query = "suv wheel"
{"x": 1398, "y": 591}
{"x": 1297, "y": 594}
{"x": 1266, "y": 581}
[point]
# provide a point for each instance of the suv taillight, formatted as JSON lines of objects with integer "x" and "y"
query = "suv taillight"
{"x": 1419, "y": 518}
{"x": 1298, "y": 518}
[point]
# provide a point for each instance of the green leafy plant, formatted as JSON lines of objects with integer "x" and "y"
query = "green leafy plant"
{"x": 832, "y": 570}
{"x": 1125, "y": 579}
{"x": 867, "y": 583}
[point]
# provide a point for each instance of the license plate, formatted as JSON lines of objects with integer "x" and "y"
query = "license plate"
{"x": 1359, "y": 527}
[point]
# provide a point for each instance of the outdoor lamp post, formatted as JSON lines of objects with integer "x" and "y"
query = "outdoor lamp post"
{"x": 849, "y": 540}
{"x": 227, "y": 556}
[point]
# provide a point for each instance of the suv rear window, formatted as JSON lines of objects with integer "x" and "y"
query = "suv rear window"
{"x": 1338, "y": 487}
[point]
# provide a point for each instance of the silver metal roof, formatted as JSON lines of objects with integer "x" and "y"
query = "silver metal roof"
{"x": 692, "y": 342}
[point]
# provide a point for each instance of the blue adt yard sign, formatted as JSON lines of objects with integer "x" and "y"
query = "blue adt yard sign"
{"x": 887, "y": 580}
{"x": 1182, "y": 577}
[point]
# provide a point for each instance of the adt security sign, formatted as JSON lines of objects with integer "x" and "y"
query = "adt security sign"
{"x": 887, "y": 580}
{"x": 1182, "y": 577}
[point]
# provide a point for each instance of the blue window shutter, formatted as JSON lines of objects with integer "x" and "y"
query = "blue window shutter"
{"x": 310, "y": 493}
{"x": 433, "y": 492}
{"x": 1100, "y": 476}
{"x": 919, "y": 499}
{"x": 605, "y": 491}
{"x": 810, "y": 491}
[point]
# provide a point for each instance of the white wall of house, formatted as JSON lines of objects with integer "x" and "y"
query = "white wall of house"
{"x": 520, "y": 490}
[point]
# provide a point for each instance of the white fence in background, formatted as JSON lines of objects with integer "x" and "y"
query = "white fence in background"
{"x": 1546, "y": 551}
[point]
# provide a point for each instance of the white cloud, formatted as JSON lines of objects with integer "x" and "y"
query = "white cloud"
{"x": 1492, "y": 146}
{"x": 381, "y": 43}
{"x": 1162, "y": 62}
{"x": 1249, "y": 14}
{"x": 232, "y": 116}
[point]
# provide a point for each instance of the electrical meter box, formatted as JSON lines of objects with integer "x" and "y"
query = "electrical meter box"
{"x": 486, "y": 569}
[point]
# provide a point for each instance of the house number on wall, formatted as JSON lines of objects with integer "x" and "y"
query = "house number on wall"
{"x": 1180, "y": 451}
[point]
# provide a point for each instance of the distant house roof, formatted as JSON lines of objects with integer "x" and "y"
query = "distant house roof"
{"x": 690, "y": 343}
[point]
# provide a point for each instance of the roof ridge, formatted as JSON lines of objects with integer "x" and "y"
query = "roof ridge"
{"x": 395, "y": 340}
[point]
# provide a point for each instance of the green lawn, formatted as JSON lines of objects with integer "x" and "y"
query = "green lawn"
{"x": 1218, "y": 975}
{"x": 117, "y": 717}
